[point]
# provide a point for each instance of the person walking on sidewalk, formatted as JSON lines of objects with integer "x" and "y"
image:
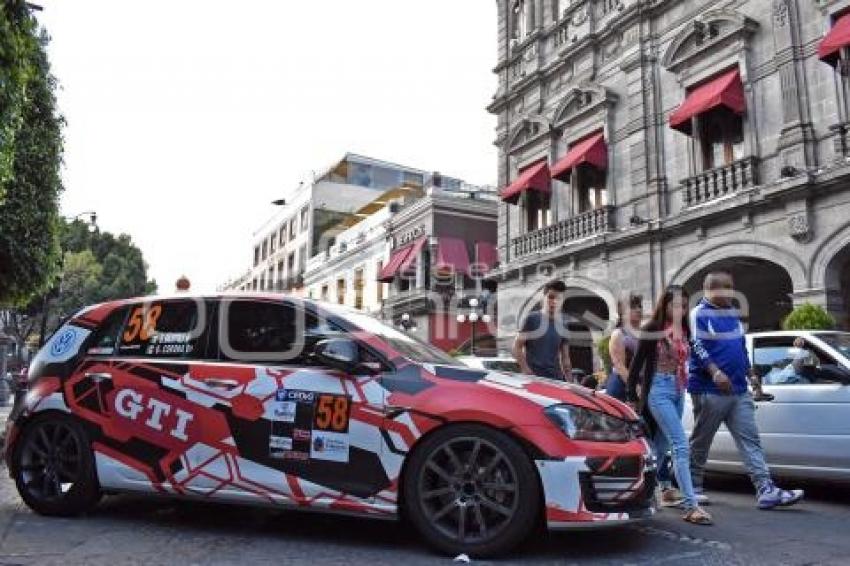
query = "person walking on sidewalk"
{"x": 660, "y": 367}
{"x": 623, "y": 345}
{"x": 719, "y": 371}
{"x": 542, "y": 347}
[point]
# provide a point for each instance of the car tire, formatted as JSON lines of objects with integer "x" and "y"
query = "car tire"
{"x": 53, "y": 467}
{"x": 475, "y": 475}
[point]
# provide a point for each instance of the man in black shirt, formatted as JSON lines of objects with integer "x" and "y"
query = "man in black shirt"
{"x": 542, "y": 347}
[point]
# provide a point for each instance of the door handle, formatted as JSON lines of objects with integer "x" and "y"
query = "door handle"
{"x": 221, "y": 383}
{"x": 98, "y": 376}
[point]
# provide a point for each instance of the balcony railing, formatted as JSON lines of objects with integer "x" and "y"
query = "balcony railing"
{"x": 593, "y": 223}
{"x": 721, "y": 181}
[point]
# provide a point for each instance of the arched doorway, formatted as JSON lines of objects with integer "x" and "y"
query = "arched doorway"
{"x": 764, "y": 290}
{"x": 588, "y": 318}
{"x": 837, "y": 285}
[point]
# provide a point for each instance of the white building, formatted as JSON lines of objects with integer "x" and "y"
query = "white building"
{"x": 315, "y": 213}
{"x": 347, "y": 273}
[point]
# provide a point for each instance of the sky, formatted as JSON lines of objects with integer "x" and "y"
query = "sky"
{"x": 185, "y": 119}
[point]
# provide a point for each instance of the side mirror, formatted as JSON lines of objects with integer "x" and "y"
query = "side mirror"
{"x": 338, "y": 353}
{"x": 836, "y": 373}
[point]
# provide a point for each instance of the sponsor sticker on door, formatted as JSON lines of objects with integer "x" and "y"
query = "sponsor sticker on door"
{"x": 330, "y": 446}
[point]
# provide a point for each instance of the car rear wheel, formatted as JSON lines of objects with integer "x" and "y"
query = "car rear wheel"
{"x": 54, "y": 467}
{"x": 472, "y": 489}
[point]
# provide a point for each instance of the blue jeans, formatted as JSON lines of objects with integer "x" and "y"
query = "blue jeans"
{"x": 667, "y": 404}
{"x": 738, "y": 413}
{"x": 615, "y": 386}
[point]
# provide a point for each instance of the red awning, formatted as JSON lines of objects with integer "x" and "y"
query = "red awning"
{"x": 392, "y": 267}
{"x": 452, "y": 255}
{"x": 534, "y": 177}
{"x": 402, "y": 260}
{"x": 837, "y": 38}
{"x": 591, "y": 151}
{"x": 726, "y": 91}
{"x": 487, "y": 255}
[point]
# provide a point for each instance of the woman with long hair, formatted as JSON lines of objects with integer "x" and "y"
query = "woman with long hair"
{"x": 657, "y": 383}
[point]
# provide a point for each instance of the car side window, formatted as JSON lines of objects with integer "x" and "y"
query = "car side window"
{"x": 269, "y": 332}
{"x": 165, "y": 329}
{"x": 106, "y": 337}
{"x": 790, "y": 361}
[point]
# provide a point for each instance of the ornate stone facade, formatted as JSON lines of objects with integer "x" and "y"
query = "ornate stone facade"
{"x": 776, "y": 209}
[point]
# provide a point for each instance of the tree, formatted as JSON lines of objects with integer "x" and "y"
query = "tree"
{"x": 30, "y": 158}
{"x": 808, "y": 317}
{"x": 81, "y": 283}
{"x": 124, "y": 268}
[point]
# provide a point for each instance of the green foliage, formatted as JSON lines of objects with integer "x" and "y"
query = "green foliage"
{"x": 808, "y": 317}
{"x": 17, "y": 45}
{"x": 30, "y": 158}
{"x": 81, "y": 282}
{"x": 102, "y": 267}
{"x": 603, "y": 348}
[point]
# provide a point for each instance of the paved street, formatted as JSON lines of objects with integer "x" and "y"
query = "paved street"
{"x": 134, "y": 530}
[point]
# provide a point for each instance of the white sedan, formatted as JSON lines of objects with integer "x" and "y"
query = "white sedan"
{"x": 805, "y": 429}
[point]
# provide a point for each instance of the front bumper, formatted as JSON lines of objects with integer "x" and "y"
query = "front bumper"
{"x": 583, "y": 492}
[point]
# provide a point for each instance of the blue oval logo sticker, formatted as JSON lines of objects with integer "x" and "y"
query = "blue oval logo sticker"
{"x": 63, "y": 342}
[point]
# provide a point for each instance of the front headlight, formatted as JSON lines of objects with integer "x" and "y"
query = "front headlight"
{"x": 580, "y": 423}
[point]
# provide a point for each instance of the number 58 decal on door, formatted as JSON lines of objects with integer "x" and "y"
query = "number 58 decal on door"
{"x": 330, "y": 428}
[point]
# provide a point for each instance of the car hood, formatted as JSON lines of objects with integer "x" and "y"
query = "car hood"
{"x": 539, "y": 390}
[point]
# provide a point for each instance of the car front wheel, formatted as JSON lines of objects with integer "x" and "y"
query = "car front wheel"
{"x": 54, "y": 467}
{"x": 472, "y": 489}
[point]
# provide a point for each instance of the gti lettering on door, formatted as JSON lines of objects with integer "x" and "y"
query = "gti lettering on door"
{"x": 131, "y": 404}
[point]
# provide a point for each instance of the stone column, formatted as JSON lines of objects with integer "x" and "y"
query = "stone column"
{"x": 797, "y": 139}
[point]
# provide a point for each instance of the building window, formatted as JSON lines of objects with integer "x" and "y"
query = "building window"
{"x": 292, "y": 229}
{"x": 340, "y": 291}
{"x": 590, "y": 188}
{"x": 325, "y": 292}
{"x": 721, "y": 137}
{"x": 265, "y": 249}
{"x": 280, "y": 274}
{"x": 256, "y": 256}
{"x": 538, "y": 210}
{"x": 302, "y": 259}
{"x": 290, "y": 265}
{"x": 305, "y": 218}
{"x": 272, "y": 244}
{"x": 380, "y": 286}
{"x": 519, "y": 19}
{"x": 609, "y": 6}
{"x": 263, "y": 281}
{"x": 358, "y": 288}
{"x": 282, "y": 235}
{"x": 254, "y": 284}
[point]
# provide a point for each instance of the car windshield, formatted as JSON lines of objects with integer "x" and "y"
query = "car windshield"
{"x": 838, "y": 340}
{"x": 407, "y": 345}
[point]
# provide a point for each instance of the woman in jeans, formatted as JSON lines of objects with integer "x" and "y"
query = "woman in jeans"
{"x": 660, "y": 370}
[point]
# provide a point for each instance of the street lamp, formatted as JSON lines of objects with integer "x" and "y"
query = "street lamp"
{"x": 478, "y": 308}
{"x": 407, "y": 323}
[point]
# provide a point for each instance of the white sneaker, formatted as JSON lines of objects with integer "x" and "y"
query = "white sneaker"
{"x": 702, "y": 499}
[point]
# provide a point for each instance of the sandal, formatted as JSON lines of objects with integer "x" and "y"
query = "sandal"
{"x": 698, "y": 516}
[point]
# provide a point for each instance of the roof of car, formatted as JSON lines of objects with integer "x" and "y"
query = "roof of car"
{"x": 216, "y": 295}
{"x": 792, "y": 332}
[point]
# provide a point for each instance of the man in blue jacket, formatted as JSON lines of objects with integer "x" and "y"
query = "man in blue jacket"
{"x": 719, "y": 371}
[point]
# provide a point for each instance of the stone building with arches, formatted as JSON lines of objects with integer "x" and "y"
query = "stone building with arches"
{"x": 646, "y": 142}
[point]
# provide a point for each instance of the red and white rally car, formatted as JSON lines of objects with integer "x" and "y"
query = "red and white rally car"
{"x": 267, "y": 399}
